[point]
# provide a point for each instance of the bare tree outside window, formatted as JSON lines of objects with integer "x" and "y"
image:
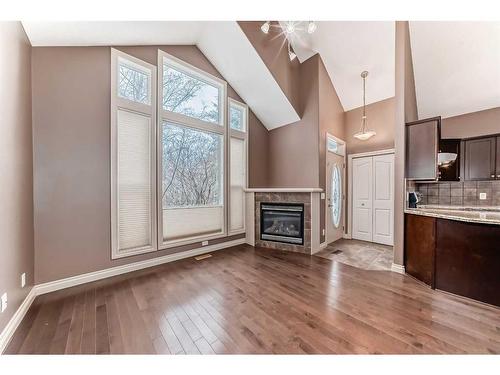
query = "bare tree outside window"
{"x": 133, "y": 84}
{"x": 192, "y": 159}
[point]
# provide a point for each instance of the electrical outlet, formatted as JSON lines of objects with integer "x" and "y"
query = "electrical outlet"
{"x": 23, "y": 280}
{"x": 322, "y": 195}
{"x": 3, "y": 302}
{"x": 323, "y": 232}
{"x": 482, "y": 196}
{"x": 204, "y": 243}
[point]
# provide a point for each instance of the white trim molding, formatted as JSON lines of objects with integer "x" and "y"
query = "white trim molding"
{"x": 10, "y": 328}
{"x": 52, "y": 286}
{"x": 398, "y": 268}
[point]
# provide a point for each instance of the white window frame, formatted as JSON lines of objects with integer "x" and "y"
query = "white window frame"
{"x": 119, "y": 103}
{"x": 243, "y": 135}
{"x": 197, "y": 124}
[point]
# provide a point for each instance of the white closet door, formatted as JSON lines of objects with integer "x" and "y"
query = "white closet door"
{"x": 362, "y": 198}
{"x": 383, "y": 199}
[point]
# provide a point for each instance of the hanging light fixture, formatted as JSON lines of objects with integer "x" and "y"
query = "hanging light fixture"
{"x": 265, "y": 27}
{"x": 311, "y": 27}
{"x": 364, "y": 134}
{"x": 291, "y": 53}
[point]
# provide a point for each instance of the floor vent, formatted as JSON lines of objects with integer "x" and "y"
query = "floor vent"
{"x": 337, "y": 252}
{"x": 204, "y": 256}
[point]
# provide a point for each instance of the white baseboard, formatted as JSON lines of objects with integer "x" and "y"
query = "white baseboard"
{"x": 10, "y": 328}
{"x": 69, "y": 282}
{"x": 398, "y": 268}
{"x": 114, "y": 271}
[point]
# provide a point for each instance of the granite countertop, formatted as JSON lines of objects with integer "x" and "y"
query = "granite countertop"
{"x": 484, "y": 215}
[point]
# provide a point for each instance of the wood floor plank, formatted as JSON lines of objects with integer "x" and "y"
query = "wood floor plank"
{"x": 246, "y": 300}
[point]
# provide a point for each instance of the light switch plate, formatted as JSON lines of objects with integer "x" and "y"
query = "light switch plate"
{"x": 322, "y": 195}
{"x": 23, "y": 280}
{"x": 3, "y": 302}
{"x": 204, "y": 243}
{"x": 482, "y": 196}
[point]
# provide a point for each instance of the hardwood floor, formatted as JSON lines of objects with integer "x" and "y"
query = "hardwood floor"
{"x": 246, "y": 300}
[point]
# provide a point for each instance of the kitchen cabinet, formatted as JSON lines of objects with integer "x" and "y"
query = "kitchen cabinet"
{"x": 498, "y": 159}
{"x": 420, "y": 241}
{"x": 458, "y": 257}
{"x": 422, "y": 146}
{"x": 468, "y": 260}
{"x": 480, "y": 157}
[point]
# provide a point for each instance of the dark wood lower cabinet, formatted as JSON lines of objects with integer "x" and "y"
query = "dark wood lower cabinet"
{"x": 457, "y": 257}
{"x": 420, "y": 243}
{"x": 468, "y": 260}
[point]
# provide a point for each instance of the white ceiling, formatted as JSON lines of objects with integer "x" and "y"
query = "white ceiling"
{"x": 347, "y": 48}
{"x": 223, "y": 43}
{"x": 456, "y": 67}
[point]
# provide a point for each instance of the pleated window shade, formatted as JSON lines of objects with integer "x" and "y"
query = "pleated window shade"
{"x": 133, "y": 156}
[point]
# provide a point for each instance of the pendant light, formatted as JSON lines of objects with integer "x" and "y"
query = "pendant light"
{"x": 364, "y": 134}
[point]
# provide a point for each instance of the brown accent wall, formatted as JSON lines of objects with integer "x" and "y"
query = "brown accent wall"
{"x": 380, "y": 118}
{"x": 16, "y": 167}
{"x": 331, "y": 120}
{"x": 405, "y": 110}
{"x": 293, "y": 149}
{"x": 473, "y": 124}
{"x": 71, "y": 133}
{"x": 273, "y": 51}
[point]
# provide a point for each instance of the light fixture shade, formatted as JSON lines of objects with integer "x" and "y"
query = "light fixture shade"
{"x": 265, "y": 27}
{"x": 364, "y": 135}
{"x": 311, "y": 27}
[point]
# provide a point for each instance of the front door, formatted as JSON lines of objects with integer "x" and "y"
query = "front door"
{"x": 335, "y": 197}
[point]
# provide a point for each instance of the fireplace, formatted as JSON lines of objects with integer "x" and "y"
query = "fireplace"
{"x": 282, "y": 222}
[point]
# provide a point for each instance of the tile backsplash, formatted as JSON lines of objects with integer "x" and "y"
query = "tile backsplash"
{"x": 460, "y": 193}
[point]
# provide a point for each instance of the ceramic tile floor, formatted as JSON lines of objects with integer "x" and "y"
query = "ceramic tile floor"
{"x": 360, "y": 254}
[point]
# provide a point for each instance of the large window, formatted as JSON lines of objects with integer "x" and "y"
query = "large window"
{"x": 192, "y": 148}
{"x": 133, "y": 172}
{"x": 178, "y": 156}
{"x": 238, "y": 119}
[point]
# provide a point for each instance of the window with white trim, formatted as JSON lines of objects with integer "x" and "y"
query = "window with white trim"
{"x": 192, "y": 153}
{"x": 133, "y": 152}
{"x": 238, "y": 120}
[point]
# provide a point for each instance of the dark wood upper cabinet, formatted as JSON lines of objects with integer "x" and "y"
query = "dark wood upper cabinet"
{"x": 498, "y": 158}
{"x": 450, "y": 172}
{"x": 422, "y": 146}
{"x": 480, "y": 158}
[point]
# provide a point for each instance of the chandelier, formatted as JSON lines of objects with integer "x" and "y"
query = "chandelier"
{"x": 289, "y": 28}
{"x": 363, "y": 133}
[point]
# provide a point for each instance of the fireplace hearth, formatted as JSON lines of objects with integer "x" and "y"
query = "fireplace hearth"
{"x": 282, "y": 222}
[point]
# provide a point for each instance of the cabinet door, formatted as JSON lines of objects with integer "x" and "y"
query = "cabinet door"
{"x": 420, "y": 244}
{"x": 498, "y": 158}
{"x": 480, "y": 158}
{"x": 422, "y": 141}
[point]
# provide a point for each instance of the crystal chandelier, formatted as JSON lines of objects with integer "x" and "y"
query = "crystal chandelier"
{"x": 363, "y": 133}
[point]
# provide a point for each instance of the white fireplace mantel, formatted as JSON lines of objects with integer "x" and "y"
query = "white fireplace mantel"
{"x": 284, "y": 190}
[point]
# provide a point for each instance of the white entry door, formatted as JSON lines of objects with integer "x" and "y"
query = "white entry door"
{"x": 362, "y": 198}
{"x": 373, "y": 199}
{"x": 383, "y": 199}
{"x": 335, "y": 197}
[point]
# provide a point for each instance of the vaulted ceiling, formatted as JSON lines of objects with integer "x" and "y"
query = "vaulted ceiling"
{"x": 456, "y": 67}
{"x": 223, "y": 43}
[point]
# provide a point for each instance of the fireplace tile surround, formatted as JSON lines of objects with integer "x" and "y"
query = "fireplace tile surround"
{"x": 310, "y": 198}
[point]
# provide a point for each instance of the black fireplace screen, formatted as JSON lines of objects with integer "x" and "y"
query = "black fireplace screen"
{"x": 282, "y": 222}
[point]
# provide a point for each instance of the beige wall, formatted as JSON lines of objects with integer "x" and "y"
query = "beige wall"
{"x": 331, "y": 120}
{"x": 293, "y": 149}
{"x": 274, "y": 52}
{"x": 16, "y": 167}
{"x": 71, "y": 132}
{"x": 472, "y": 124}
{"x": 380, "y": 118}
